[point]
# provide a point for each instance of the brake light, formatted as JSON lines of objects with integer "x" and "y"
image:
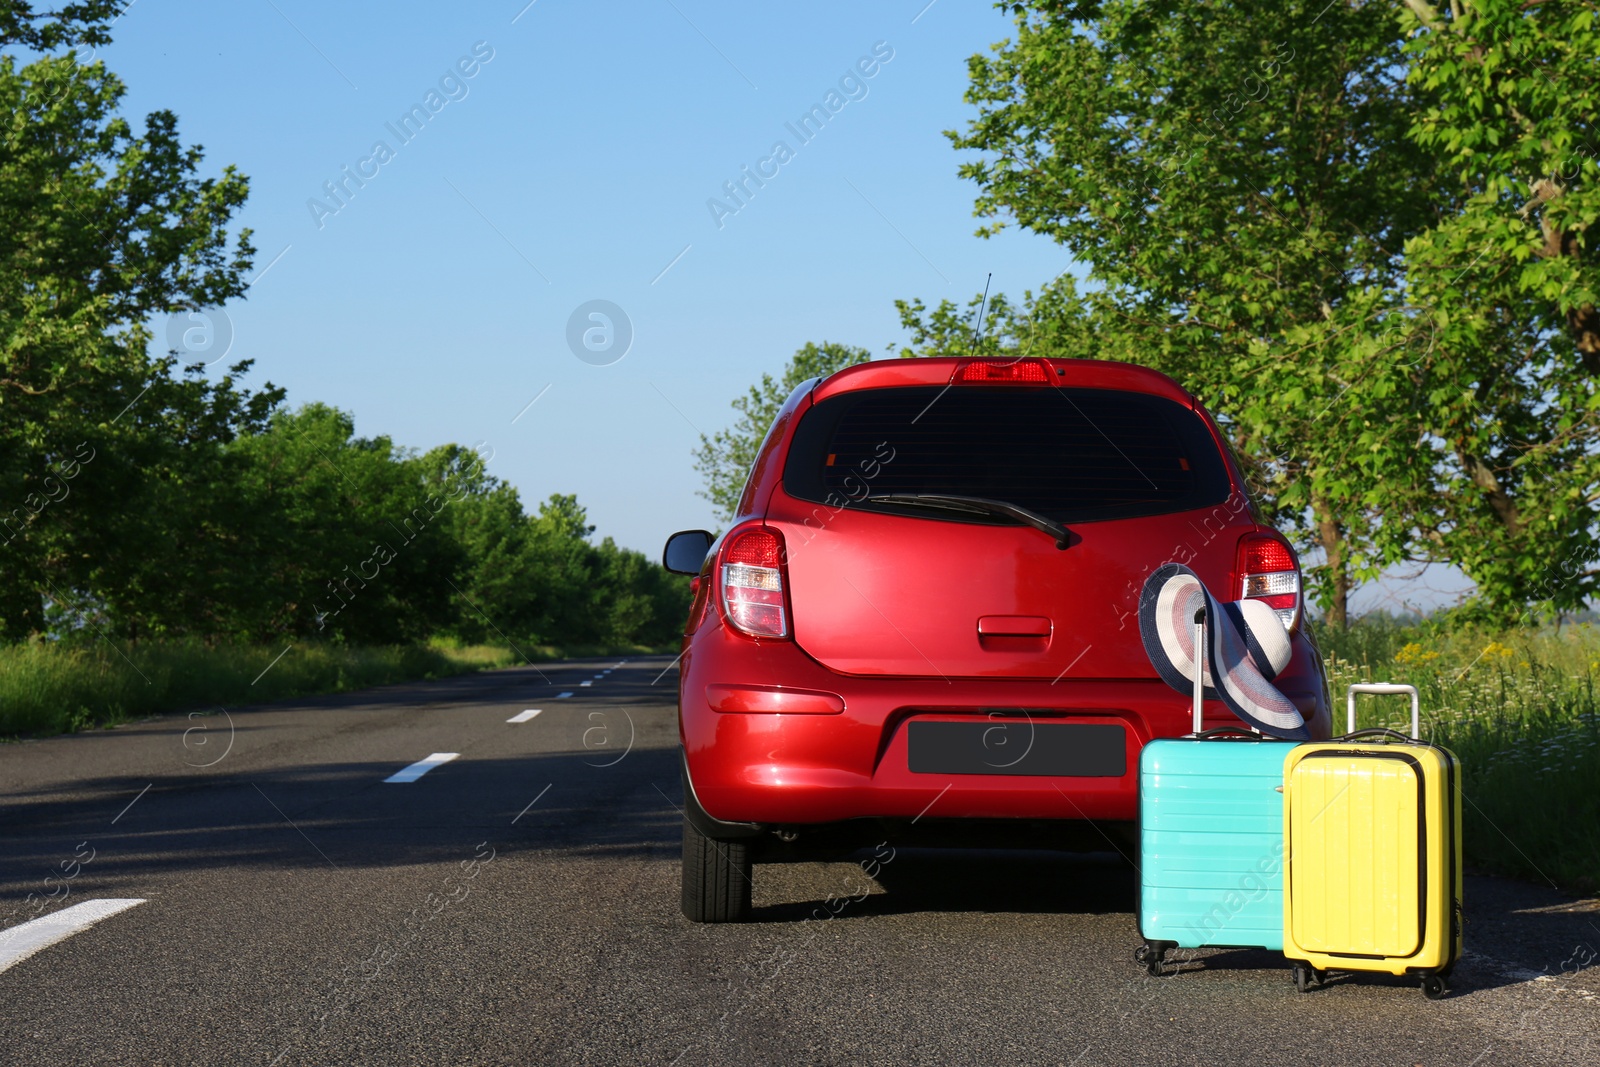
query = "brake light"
{"x": 1269, "y": 572}
{"x": 752, "y": 584}
{"x": 1003, "y": 371}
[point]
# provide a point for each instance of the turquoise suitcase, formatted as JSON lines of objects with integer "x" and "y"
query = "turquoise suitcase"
{"x": 1210, "y": 843}
{"x": 1211, "y": 840}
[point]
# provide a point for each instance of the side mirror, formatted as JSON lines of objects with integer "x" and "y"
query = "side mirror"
{"x": 686, "y": 551}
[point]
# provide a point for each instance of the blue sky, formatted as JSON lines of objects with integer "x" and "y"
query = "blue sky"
{"x": 570, "y": 154}
{"x": 576, "y": 164}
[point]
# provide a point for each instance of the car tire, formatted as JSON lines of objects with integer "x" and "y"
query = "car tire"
{"x": 716, "y": 878}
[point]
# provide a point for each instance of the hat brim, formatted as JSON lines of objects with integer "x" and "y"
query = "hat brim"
{"x": 1239, "y": 660}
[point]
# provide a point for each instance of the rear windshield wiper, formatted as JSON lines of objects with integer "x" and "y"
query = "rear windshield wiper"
{"x": 977, "y": 505}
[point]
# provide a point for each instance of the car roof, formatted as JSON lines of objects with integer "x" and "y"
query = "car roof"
{"x": 942, "y": 370}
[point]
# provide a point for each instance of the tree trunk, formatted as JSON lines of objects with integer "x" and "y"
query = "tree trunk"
{"x": 1331, "y": 536}
{"x": 1584, "y": 322}
{"x": 1505, "y": 509}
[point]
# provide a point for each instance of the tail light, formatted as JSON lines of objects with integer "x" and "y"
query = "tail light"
{"x": 1269, "y": 572}
{"x": 752, "y": 584}
{"x": 1003, "y": 371}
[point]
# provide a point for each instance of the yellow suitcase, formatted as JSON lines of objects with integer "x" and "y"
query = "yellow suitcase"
{"x": 1372, "y": 866}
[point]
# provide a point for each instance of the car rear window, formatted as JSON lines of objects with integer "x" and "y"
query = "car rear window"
{"x": 1073, "y": 455}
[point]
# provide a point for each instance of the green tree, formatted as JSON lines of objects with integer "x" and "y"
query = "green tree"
{"x": 100, "y": 230}
{"x": 636, "y": 601}
{"x": 1227, "y": 173}
{"x": 1057, "y": 324}
{"x": 151, "y": 525}
{"x": 141, "y": 499}
{"x": 352, "y": 535}
{"x": 538, "y": 579}
{"x": 300, "y": 530}
{"x": 724, "y": 459}
{"x": 1499, "y": 393}
{"x": 87, "y": 23}
{"x": 562, "y": 572}
{"x": 494, "y": 593}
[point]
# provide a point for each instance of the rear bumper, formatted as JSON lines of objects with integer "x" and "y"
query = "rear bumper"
{"x": 818, "y": 767}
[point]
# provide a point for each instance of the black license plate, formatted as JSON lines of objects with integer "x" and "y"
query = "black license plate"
{"x": 1016, "y": 745}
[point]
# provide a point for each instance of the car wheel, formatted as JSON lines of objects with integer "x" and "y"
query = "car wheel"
{"x": 716, "y": 878}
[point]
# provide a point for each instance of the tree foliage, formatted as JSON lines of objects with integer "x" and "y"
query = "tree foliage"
{"x": 1358, "y": 231}
{"x": 1227, "y": 173}
{"x": 101, "y": 229}
{"x": 302, "y": 530}
{"x": 1505, "y": 335}
{"x": 87, "y": 22}
{"x": 1057, "y": 323}
{"x": 140, "y": 498}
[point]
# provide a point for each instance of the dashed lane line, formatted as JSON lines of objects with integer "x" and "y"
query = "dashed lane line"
{"x": 24, "y": 939}
{"x": 421, "y": 767}
{"x": 524, "y": 716}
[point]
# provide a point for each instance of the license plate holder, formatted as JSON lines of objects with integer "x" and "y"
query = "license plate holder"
{"x": 1018, "y": 746}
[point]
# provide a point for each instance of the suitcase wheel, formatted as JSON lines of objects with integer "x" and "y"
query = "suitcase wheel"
{"x": 1151, "y": 956}
{"x": 1306, "y": 976}
{"x": 1434, "y": 987}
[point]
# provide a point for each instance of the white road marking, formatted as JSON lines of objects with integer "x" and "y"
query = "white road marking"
{"x": 560, "y": 695}
{"x": 582, "y": 685}
{"x": 421, "y": 767}
{"x": 601, "y": 675}
{"x": 524, "y": 716}
{"x": 23, "y": 940}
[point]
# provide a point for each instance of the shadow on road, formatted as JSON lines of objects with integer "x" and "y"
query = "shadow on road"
{"x": 978, "y": 880}
{"x": 343, "y": 815}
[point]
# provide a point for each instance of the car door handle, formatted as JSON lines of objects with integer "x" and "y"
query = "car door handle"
{"x": 1013, "y": 626}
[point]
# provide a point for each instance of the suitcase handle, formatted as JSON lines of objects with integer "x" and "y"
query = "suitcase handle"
{"x": 1218, "y": 731}
{"x": 1199, "y": 731}
{"x": 1197, "y": 656}
{"x": 1378, "y": 731}
{"x": 1387, "y": 689}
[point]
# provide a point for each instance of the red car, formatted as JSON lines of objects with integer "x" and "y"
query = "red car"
{"x": 922, "y": 626}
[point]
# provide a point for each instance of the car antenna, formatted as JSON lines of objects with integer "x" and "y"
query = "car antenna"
{"x": 979, "y": 328}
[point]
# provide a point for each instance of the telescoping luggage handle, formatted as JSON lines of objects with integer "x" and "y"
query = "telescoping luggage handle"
{"x": 1199, "y": 689}
{"x": 1199, "y": 675}
{"x": 1387, "y": 689}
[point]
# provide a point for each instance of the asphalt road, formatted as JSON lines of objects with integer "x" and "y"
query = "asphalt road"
{"x": 518, "y": 905}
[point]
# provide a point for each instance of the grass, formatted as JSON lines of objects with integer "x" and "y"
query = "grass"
{"x": 51, "y": 689}
{"x": 1520, "y": 711}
